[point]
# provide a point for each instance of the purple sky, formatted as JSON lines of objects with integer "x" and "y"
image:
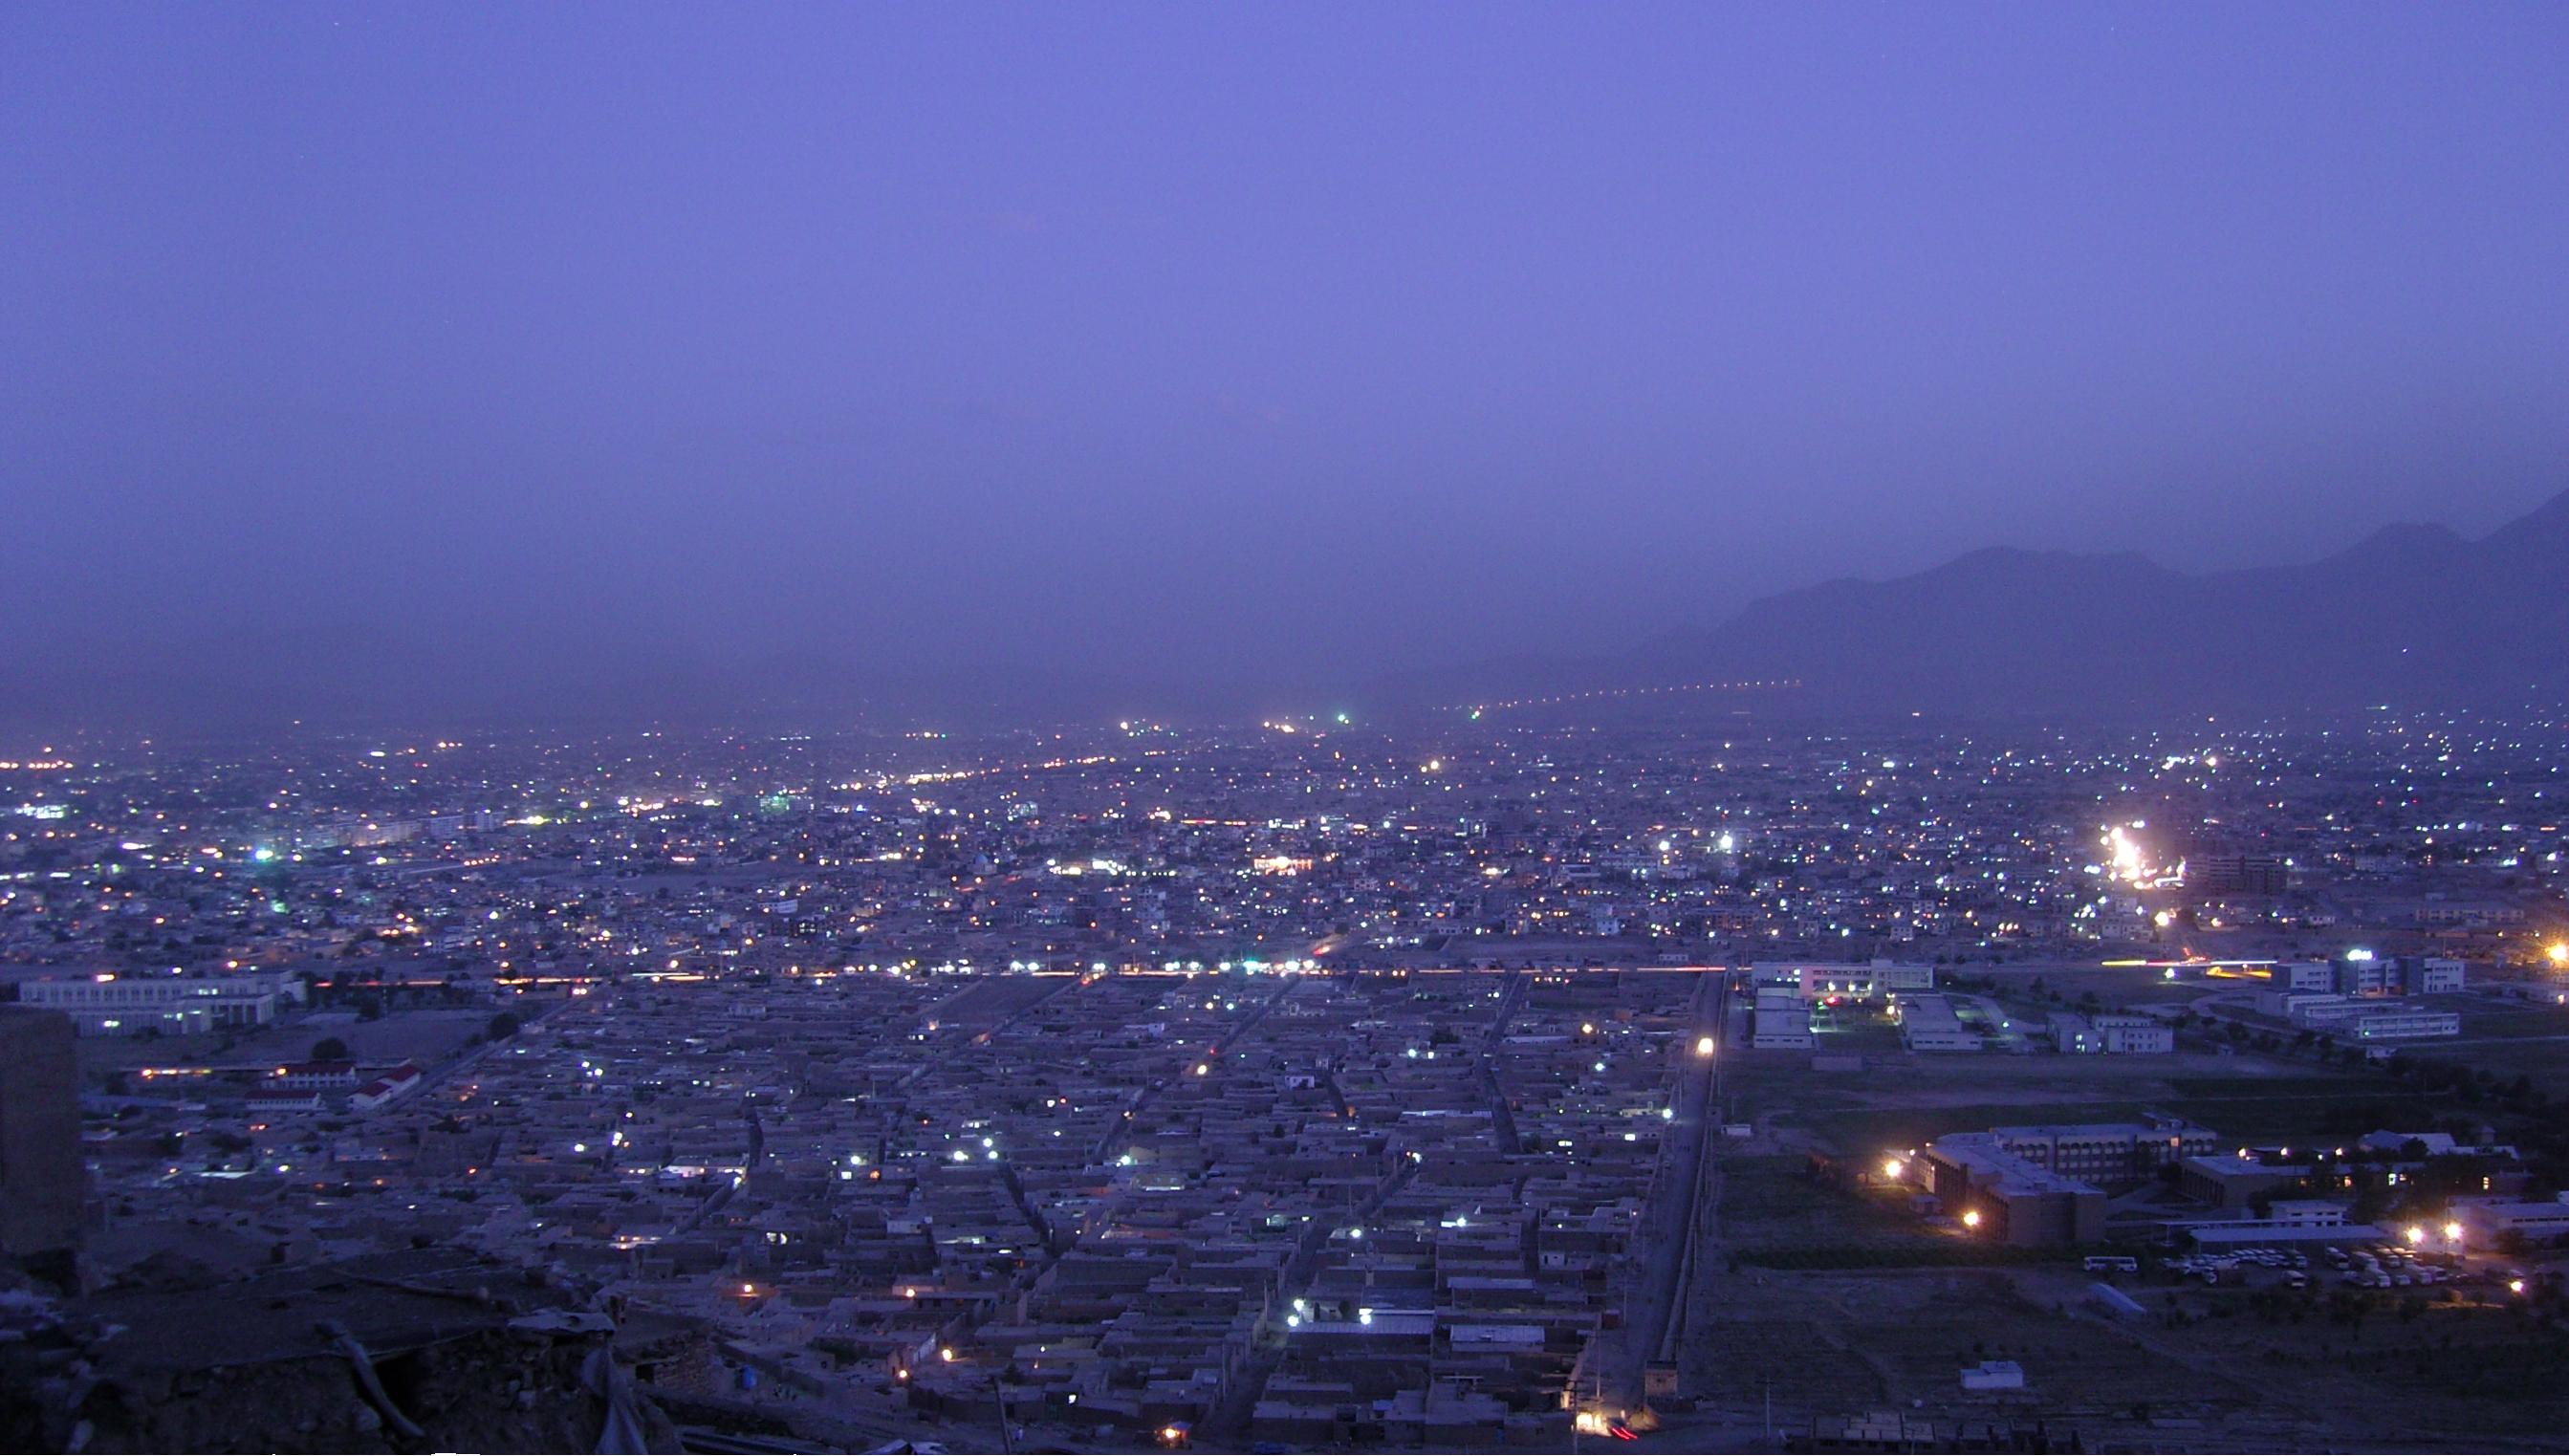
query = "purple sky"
{"x": 1225, "y": 340}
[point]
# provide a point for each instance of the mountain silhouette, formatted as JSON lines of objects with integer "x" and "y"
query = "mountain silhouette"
{"x": 2414, "y": 616}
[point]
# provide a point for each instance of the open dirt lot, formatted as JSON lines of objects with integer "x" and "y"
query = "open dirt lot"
{"x": 2224, "y": 1370}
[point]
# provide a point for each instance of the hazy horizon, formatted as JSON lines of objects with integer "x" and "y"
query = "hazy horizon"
{"x": 1209, "y": 348}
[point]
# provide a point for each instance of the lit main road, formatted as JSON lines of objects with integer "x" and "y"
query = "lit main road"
{"x": 1664, "y": 1249}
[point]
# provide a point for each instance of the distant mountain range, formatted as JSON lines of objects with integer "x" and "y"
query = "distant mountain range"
{"x": 2414, "y": 616}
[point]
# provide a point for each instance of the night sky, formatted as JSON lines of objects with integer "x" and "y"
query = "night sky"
{"x": 1214, "y": 343}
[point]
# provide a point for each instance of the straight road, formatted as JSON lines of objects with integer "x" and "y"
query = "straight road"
{"x": 1664, "y": 1249}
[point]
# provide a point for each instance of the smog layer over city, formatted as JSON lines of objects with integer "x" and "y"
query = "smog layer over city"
{"x": 1118, "y": 727}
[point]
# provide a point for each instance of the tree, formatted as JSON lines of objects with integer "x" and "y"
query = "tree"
{"x": 330, "y": 1049}
{"x": 503, "y": 1026}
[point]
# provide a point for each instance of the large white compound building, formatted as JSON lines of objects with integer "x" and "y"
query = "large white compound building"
{"x": 108, "y": 1004}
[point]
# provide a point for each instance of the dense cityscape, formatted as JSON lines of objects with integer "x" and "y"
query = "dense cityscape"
{"x": 1514, "y": 1079}
{"x": 759, "y": 728}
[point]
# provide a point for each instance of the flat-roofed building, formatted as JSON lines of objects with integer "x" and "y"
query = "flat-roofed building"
{"x": 2112, "y": 1034}
{"x": 126, "y": 1005}
{"x": 2485, "y": 1222}
{"x": 1846, "y": 980}
{"x": 2010, "y": 1199}
{"x": 2437, "y": 975}
{"x": 1781, "y": 1022}
{"x": 2228, "y": 1181}
{"x": 2359, "y": 1021}
{"x": 2108, "y": 1152}
{"x": 1929, "y": 1023}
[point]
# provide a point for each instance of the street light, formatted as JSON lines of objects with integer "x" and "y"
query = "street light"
{"x": 1704, "y": 1046}
{"x": 1971, "y": 1217}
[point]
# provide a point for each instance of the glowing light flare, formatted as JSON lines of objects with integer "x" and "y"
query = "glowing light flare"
{"x": 2124, "y": 859}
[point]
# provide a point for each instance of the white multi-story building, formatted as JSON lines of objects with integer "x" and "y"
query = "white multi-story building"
{"x": 124, "y": 1006}
{"x": 2135, "y": 1035}
{"x": 1821, "y": 980}
{"x": 2304, "y": 976}
{"x": 2117, "y": 1034}
{"x": 2374, "y": 1021}
{"x": 2437, "y": 975}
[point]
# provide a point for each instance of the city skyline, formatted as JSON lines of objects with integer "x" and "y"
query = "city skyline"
{"x": 1083, "y": 728}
